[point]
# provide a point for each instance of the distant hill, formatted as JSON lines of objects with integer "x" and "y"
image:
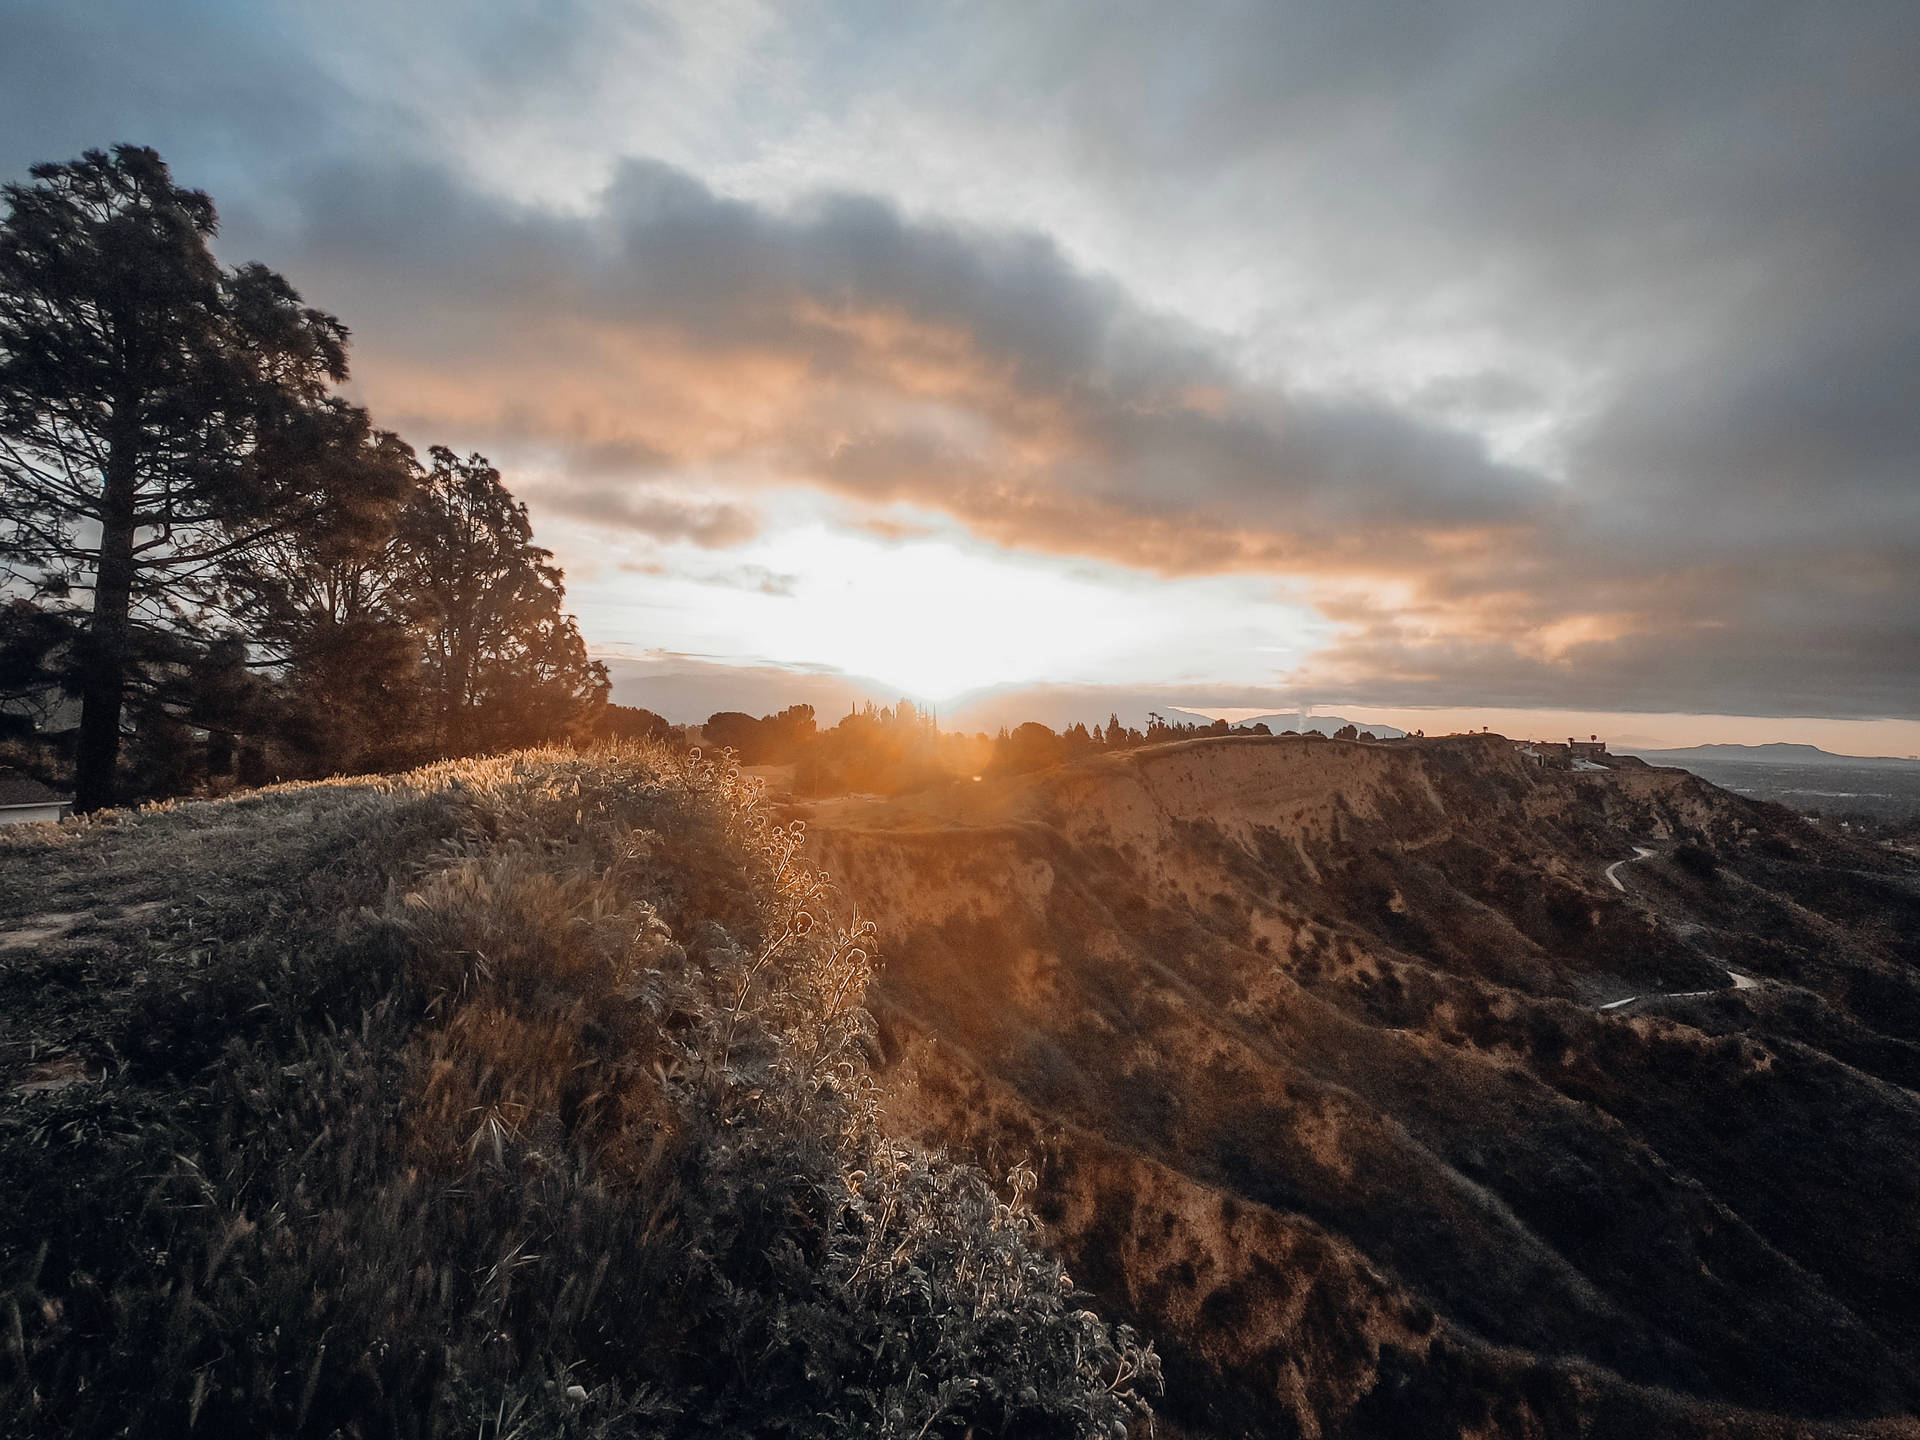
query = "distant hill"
{"x": 687, "y": 689}
{"x": 1876, "y": 787}
{"x": 1778, "y": 753}
{"x": 1058, "y": 706}
{"x": 1409, "y": 1089}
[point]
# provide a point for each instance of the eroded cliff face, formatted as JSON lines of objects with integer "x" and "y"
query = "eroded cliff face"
{"x": 1316, "y": 1047}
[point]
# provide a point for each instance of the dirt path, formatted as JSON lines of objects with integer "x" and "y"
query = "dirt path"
{"x": 1640, "y": 852}
{"x": 1740, "y": 982}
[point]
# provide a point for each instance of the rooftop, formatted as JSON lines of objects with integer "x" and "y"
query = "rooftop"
{"x": 18, "y": 789}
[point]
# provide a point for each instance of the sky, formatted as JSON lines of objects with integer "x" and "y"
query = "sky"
{"x": 1532, "y": 359}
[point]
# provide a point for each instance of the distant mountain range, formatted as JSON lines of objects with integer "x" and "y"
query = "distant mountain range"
{"x": 1882, "y": 788}
{"x": 688, "y": 688}
{"x": 1778, "y": 753}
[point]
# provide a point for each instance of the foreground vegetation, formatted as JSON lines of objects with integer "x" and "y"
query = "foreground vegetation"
{"x": 524, "y": 1096}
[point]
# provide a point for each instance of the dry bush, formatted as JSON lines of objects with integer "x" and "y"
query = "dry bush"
{"x": 566, "y": 1129}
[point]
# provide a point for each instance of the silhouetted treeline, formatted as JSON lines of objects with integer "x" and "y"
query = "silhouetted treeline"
{"x": 213, "y": 567}
{"x": 630, "y": 722}
{"x": 882, "y": 750}
{"x": 1032, "y": 746}
{"x": 890, "y": 751}
{"x": 770, "y": 740}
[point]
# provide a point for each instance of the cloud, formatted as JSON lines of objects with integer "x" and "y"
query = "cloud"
{"x": 839, "y": 343}
{"x": 1479, "y": 392}
{"x": 1563, "y": 353}
{"x": 231, "y": 100}
{"x": 713, "y": 525}
{"x": 674, "y": 333}
{"x": 756, "y": 578}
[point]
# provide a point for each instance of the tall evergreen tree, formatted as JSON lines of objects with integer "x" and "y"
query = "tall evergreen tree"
{"x": 329, "y": 607}
{"x": 159, "y": 415}
{"x": 505, "y": 665}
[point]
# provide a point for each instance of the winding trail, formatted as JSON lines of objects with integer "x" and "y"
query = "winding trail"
{"x": 1740, "y": 982}
{"x": 1640, "y": 852}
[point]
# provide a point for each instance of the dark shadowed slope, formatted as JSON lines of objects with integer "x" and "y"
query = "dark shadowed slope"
{"x": 1308, "y": 1039}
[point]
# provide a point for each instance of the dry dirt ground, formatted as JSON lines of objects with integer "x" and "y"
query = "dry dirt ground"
{"x": 1306, "y": 1039}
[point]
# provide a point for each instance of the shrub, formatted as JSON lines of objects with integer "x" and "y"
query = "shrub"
{"x": 1696, "y": 860}
{"x": 598, "y": 1154}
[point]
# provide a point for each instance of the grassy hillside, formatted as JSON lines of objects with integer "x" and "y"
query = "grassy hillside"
{"x": 518, "y": 1097}
{"x": 1409, "y": 1090}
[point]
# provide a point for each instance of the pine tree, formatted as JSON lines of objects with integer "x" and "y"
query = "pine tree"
{"x": 329, "y": 607}
{"x": 505, "y": 666}
{"x": 160, "y": 415}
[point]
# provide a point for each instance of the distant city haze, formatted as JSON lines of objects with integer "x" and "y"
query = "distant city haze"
{"x": 1540, "y": 367}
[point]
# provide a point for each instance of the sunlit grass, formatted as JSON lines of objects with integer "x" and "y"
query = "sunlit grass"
{"x": 522, "y": 1095}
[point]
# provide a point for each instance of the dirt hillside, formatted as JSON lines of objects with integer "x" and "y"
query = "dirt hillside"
{"x": 1411, "y": 1088}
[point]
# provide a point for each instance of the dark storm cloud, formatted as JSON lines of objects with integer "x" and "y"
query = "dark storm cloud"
{"x": 1800, "y": 434}
{"x": 1842, "y": 662}
{"x": 1717, "y": 200}
{"x": 1480, "y": 393}
{"x": 1703, "y": 213}
{"x": 1580, "y": 145}
{"x": 1714, "y": 204}
{"x": 911, "y": 360}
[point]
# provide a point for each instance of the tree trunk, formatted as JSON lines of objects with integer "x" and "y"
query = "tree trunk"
{"x": 109, "y": 635}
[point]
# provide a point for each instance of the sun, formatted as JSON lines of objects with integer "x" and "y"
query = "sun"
{"x": 938, "y": 619}
{"x": 940, "y": 616}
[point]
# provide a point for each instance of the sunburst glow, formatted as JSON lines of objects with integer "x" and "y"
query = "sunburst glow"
{"x": 941, "y": 616}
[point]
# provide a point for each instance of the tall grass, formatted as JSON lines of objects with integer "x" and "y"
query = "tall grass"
{"x": 544, "y": 1110}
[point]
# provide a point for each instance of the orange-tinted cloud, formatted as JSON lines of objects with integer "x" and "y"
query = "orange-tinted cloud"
{"x": 678, "y": 354}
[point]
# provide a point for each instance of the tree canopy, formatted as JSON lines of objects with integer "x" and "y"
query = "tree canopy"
{"x": 210, "y": 549}
{"x": 502, "y": 659}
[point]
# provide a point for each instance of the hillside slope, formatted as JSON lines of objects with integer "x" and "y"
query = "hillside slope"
{"x": 518, "y": 1097}
{"x": 1409, "y": 1089}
